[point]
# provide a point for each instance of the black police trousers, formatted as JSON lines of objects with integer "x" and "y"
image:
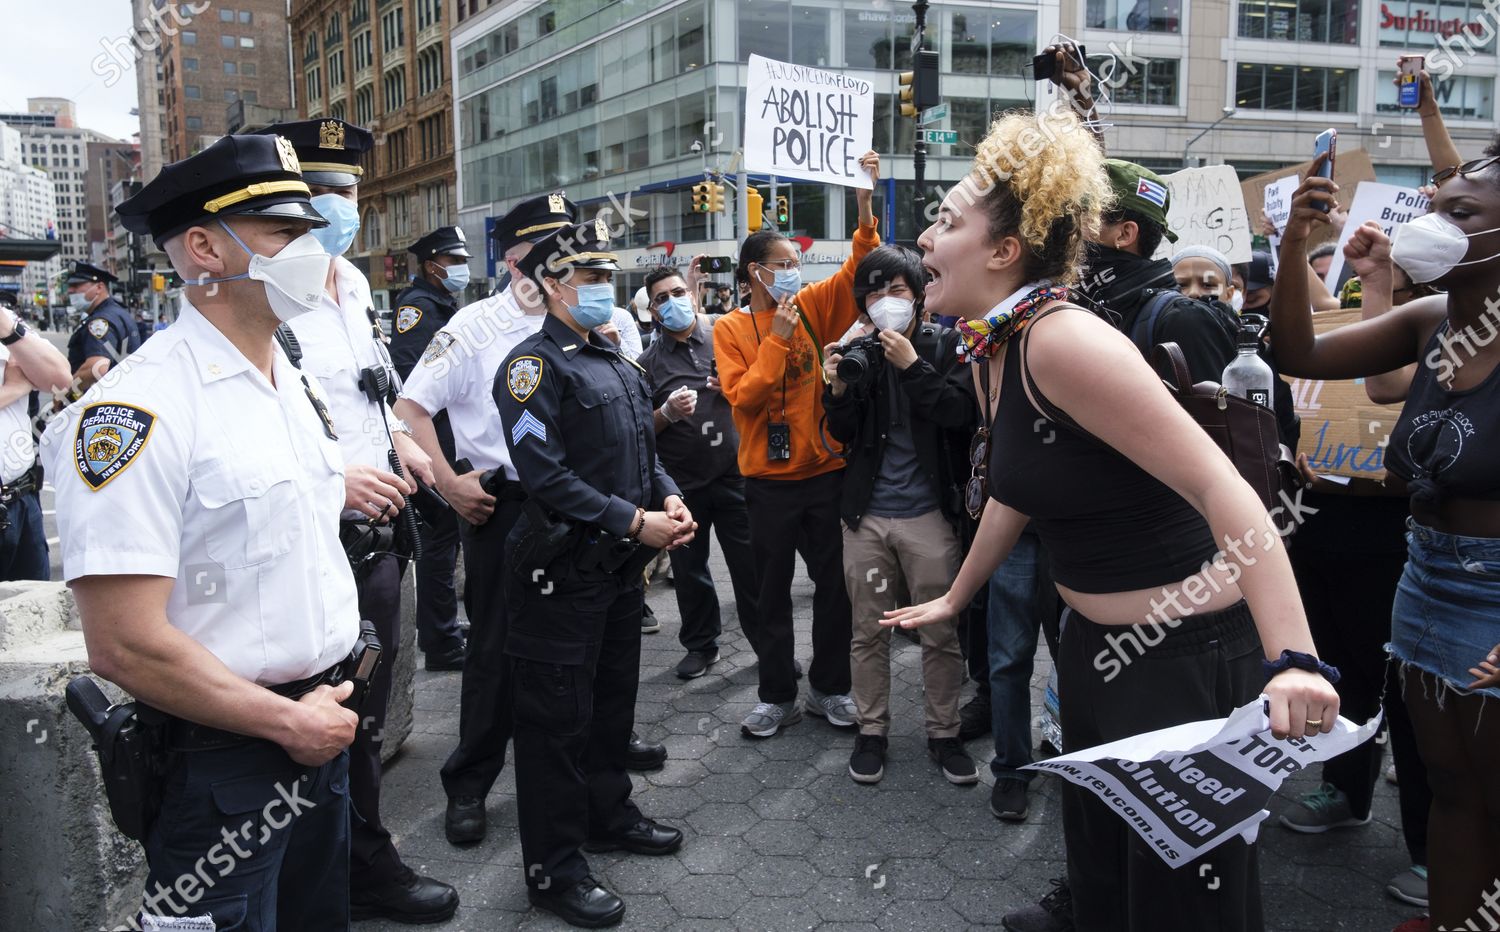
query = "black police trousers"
{"x": 575, "y": 653}
{"x": 252, "y": 838}
{"x": 437, "y": 604}
{"x": 484, "y": 720}
{"x": 374, "y": 861}
{"x": 1205, "y": 668}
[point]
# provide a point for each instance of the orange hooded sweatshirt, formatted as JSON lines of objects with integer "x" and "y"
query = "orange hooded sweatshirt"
{"x": 766, "y": 378}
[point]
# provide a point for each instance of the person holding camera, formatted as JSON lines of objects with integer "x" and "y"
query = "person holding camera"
{"x": 770, "y": 369}
{"x": 899, "y": 401}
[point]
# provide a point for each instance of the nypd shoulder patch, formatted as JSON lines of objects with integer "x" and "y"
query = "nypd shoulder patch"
{"x": 523, "y": 376}
{"x": 407, "y": 317}
{"x": 527, "y": 424}
{"x": 98, "y": 328}
{"x": 439, "y": 345}
{"x": 110, "y": 436}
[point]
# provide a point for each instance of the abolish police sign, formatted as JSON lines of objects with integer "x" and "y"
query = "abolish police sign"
{"x": 808, "y": 123}
{"x": 1190, "y": 788}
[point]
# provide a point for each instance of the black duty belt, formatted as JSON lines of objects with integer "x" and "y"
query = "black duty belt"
{"x": 26, "y": 483}
{"x": 183, "y": 735}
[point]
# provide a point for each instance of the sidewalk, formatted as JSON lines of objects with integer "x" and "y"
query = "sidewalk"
{"x": 779, "y": 837}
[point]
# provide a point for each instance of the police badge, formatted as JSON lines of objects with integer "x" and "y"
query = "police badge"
{"x": 407, "y": 317}
{"x": 435, "y": 349}
{"x": 523, "y": 376}
{"x": 109, "y": 438}
{"x": 98, "y": 328}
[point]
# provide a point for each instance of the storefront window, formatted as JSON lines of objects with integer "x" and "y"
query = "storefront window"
{"x": 1136, "y": 15}
{"x": 1407, "y": 24}
{"x": 1291, "y": 87}
{"x": 1462, "y": 97}
{"x": 1300, "y": 20}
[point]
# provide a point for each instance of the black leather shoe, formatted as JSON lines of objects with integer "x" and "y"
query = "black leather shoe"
{"x": 464, "y": 823}
{"x": 585, "y": 904}
{"x": 447, "y": 660}
{"x": 643, "y": 755}
{"x": 644, "y": 837}
{"x": 413, "y": 900}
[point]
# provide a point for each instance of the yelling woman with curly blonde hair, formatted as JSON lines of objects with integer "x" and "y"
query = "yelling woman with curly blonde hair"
{"x": 1128, "y": 496}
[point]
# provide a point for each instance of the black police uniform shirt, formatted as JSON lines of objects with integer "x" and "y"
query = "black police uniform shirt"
{"x": 421, "y": 311}
{"x": 578, "y": 417}
{"x": 107, "y": 331}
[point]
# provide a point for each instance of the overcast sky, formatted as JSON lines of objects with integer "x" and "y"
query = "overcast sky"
{"x": 53, "y": 53}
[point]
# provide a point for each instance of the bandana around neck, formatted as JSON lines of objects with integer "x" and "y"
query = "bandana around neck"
{"x": 982, "y": 336}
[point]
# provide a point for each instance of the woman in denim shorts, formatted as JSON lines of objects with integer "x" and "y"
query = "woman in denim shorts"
{"x": 1445, "y": 631}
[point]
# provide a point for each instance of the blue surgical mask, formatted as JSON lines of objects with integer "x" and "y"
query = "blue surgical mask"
{"x": 596, "y": 305}
{"x": 456, "y": 277}
{"x": 785, "y": 283}
{"x": 677, "y": 314}
{"x": 343, "y": 223}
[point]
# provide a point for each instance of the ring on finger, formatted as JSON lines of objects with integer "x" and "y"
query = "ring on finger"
{"x": 1315, "y": 722}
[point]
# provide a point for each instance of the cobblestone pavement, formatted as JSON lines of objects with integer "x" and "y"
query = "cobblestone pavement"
{"x": 780, "y": 838}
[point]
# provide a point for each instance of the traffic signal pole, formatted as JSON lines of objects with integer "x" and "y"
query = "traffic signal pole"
{"x": 919, "y": 145}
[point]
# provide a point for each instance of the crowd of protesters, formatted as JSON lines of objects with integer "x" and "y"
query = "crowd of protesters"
{"x": 967, "y": 444}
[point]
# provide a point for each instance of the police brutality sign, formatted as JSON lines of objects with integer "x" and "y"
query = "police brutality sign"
{"x": 109, "y": 438}
{"x": 1190, "y": 788}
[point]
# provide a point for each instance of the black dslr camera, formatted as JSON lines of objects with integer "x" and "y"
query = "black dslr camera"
{"x": 860, "y": 356}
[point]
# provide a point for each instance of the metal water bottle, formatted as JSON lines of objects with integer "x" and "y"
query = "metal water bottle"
{"x": 1247, "y": 375}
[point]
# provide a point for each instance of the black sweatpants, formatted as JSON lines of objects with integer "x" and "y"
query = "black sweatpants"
{"x": 1203, "y": 669}
{"x": 804, "y": 512}
{"x": 484, "y": 718}
{"x": 719, "y": 509}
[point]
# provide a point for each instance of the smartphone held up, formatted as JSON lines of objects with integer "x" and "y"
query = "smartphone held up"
{"x": 1326, "y": 144}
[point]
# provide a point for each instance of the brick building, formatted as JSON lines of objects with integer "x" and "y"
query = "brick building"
{"x": 231, "y": 51}
{"x": 383, "y": 64}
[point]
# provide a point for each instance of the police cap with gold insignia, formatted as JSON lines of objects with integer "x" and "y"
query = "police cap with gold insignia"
{"x": 82, "y": 273}
{"x": 329, "y": 149}
{"x": 237, "y": 176}
{"x": 444, "y": 241}
{"x": 533, "y": 219}
{"x": 576, "y": 246}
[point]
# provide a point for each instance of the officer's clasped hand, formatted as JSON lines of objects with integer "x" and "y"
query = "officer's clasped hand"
{"x": 680, "y": 404}
{"x": 322, "y": 727}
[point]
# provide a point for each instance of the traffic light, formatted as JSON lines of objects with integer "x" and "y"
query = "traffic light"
{"x": 919, "y": 87}
{"x": 755, "y": 207}
{"x": 158, "y": 282}
{"x": 783, "y": 210}
{"x": 715, "y": 198}
{"x": 701, "y": 196}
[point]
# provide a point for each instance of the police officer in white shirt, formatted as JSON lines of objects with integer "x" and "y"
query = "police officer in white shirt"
{"x": 340, "y": 345}
{"x": 198, "y": 493}
{"x": 28, "y": 364}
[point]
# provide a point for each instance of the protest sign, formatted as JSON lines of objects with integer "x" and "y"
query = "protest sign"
{"x": 1207, "y": 208}
{"x": 1387, "y": 204}
{"x": 1190, "y": 788}
{"x": 808, "y": 123}
{"x": 1278, "y": 208}
{"x": 1344, "y": 433}
{"x": 1350, "y": 170}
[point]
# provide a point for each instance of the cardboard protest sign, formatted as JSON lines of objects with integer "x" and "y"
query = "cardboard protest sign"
{"x": 1344, "y": 433}
{"x": 1350, "y": 169}
{"x": 1190, "y": 788}
{"x": 1207, "y": 208}
{"x": 1388, "y": 204}
{"x": 808, "y": 123}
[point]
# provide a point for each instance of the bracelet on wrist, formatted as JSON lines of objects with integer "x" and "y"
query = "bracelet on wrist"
{"x": 1293, "y": 659}
{"x": 638, "y": 525}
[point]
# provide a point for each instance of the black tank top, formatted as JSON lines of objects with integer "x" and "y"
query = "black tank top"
{"x": 1107, "y": 524}
{"x": 1444, "y": 444}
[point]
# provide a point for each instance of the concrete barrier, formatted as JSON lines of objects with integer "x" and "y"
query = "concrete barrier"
{"x": 64, "y": 865}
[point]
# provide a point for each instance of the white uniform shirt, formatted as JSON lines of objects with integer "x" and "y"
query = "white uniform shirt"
{"x": 457, "y": 373}
{"x": 185, "y": 462}
{"x": 17, "y": 446}
{"x": 337, "y": 342}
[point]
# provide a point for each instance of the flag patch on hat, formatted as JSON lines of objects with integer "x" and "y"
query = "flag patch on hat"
{"x": 528, "y": 424}
{"x": 1151, "y": 191}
